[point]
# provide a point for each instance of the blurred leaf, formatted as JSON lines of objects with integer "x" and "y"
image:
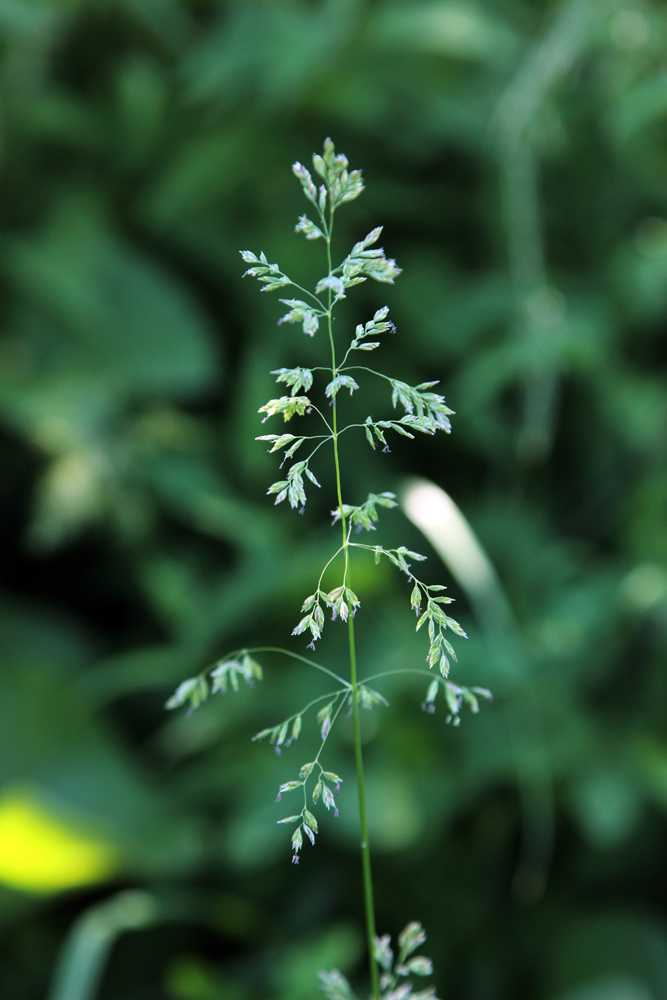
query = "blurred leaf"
{"x": 122, "y": 320}
{"x": 297, "y": 971}
{"x": 455, "y": 28}
{"x": 608, "y": 807}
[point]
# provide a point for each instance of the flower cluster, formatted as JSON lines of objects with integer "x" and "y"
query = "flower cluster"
{"x": 341, "y": 601}
{"x": 395, "y": 979}
{"x": 306, "y": 822}
{"x": 195, "y": 690}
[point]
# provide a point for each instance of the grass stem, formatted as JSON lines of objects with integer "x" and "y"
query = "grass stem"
{"x": 363, "y": 820}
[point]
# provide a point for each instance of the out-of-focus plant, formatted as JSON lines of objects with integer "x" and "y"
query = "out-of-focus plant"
{"x": 425, "y": 412}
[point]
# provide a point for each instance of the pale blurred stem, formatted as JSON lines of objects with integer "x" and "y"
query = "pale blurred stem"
{"x": 363, "y": 820}
{"x": 574, "y": 27}
{"x": 84, "y": 955}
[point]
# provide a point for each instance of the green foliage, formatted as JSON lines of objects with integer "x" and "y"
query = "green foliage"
{"x": 516, "y": 155}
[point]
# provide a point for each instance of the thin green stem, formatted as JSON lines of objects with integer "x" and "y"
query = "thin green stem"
{"x": 330, "y": 694}
{"x": 319, "y": 752}
{"x": 349, "y": 427}
{"x": 323, "y": 220}
{"x": 362, "y": 368}
{"x": 326, "y": 438}
{"x": 333, "y": 721}
{"x": 404, "y": 670}
{"x": 330, "y": 428}
{"x": 319, "y": 582}
{"x": 363, "y": 820}
{"x": 312, "y": 296}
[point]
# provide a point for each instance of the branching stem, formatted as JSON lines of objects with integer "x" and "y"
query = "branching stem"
{"x": 319, "y": 412}
{"x": 285, "y": 652}
{"x": 311, "y": 294}
{"x": 363, "y": 820}
{"x": 317, "y": 448}
{"x": 334, "y": 556}
{"x": 362, "y": 368}
{"x": 330, "y": 694}
{"x": 404, "y": 670}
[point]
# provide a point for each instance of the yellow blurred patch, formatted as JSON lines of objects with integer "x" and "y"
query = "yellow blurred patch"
{"x": 40, "y": 852}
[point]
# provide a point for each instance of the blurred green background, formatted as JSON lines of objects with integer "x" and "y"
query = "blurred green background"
{"x": 516, "y": 153}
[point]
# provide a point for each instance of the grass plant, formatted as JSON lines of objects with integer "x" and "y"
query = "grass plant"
{"x": 421, "y": 410}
